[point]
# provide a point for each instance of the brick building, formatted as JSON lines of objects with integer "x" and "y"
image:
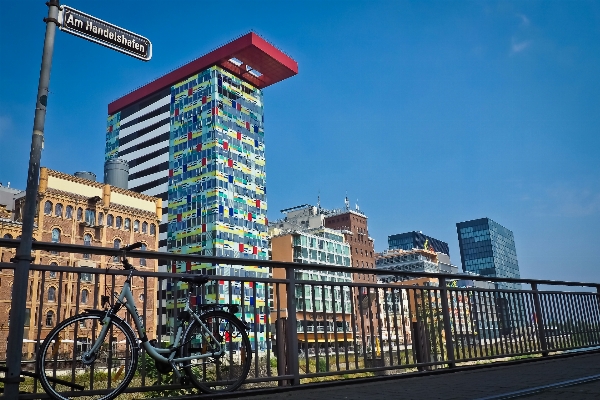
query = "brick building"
{"x": 74, "y": 210}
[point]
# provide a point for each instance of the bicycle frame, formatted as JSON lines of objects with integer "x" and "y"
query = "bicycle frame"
{"x": 125, "y": 298}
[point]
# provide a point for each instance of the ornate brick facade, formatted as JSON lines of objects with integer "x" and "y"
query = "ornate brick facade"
{"x": 78, "y": 211}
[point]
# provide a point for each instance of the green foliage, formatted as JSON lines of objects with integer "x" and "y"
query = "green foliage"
{"x": 322, "y": 367}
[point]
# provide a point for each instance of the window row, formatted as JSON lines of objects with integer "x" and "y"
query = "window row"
{"x": 90, "y": 218}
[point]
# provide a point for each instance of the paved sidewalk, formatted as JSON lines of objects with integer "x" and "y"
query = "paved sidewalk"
{"x": 469, "y": 384}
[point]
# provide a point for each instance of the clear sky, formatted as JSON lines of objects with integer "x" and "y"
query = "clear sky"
{"x": 427, "y": 113}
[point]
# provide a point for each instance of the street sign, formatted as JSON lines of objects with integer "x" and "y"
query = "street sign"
{"x": 95, "y": 30}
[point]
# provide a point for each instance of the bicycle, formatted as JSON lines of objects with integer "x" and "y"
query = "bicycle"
{"x": 99, "y": 350}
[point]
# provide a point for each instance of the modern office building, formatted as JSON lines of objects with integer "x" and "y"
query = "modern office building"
{"x": 487, "y": 248}
{"x": 415, "y": 260}
{"x": 195, "y": 138}
{"x": 324, "y": 313}
{"x": 416, "y": 240}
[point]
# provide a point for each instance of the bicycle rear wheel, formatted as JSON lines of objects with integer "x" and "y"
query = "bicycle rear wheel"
{"x": 66, "y": 373}
{"x": 223, "y": 373}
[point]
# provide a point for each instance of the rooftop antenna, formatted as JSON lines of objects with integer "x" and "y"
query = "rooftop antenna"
{"x": 319, "y": 201}
{"x": 357, "y": 207}
{"x": 347, "y": 202}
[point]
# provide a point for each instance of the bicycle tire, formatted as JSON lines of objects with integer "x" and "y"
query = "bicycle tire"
{"x": 59, "y": 358}
{"x": 219, "y": 374}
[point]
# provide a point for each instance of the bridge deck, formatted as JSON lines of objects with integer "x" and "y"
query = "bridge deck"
{"x": 474, "y": 384}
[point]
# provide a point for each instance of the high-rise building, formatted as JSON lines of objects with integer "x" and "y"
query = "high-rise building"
{"x": 416, "y": 240}
{"x": 487, "y": 248}
{"x": 195, "y": 138}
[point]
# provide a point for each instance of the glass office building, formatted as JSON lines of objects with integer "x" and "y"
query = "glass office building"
{"x": 487, "y": 248}
{"x": 416, "y": 240}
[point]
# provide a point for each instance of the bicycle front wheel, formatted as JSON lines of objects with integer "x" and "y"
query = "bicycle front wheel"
{"x": 67, "y": 370}
{"x": 222, "y": 373}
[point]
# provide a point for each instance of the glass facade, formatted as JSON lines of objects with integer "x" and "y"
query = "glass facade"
{"x": 416, "y": 240}
{"x": 487, "y": 248}
{"x": 322, "y": 246}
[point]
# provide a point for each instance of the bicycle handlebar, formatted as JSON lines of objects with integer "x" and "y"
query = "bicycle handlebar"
{"x": 133, "y": 246}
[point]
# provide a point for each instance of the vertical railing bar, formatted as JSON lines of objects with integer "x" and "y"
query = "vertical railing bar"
{"x": 425, "y": 324}
{"x": 325, "y": 323}
{"x": 268, "y": 333}
{"x": 279, "y": 340}
{"x": 145, "y": 321}
{"x": 354, "y": 326}
{"x": 469, "y": 322}
{"x": 499, "y": 298}
{"x": 539, "y": 319}
{"x": 371, "y": 325}
{"x": 410, "y": 322}
{"x": 465, "y": 318}
{"x": 533, "y": 338}
{"x": 458, "y": 326}
{"x": 388, "y": 324}
{"x": 568, "y": 324}
{"x": 490, "y": 296}
{"x": 431, "y": 324}
{"x": 362, "y": 323}
{"x": 397, "y": 306}
{"x": 526, "y": 321}
{"x": 482, "y": 323}
{"x": 477, "y": 322}
{"x": 434, "y": 301}
{"x": 452, "y": 321}
{"x": 77, "y": 289}
{"x": 344, "y": 327}
{"x": 334, "y": 318}
{"x": 256, "y": 331}
{"x": 518, "y": 331}
{"x": 315, "y": 331}
{"x": 291, "y": 332}
{"x": 379, "y": 324}
{"x": 42, "y": 290}
{"x": 306, "y": 346}
{"x": 510, "y": 344}
{"x": 446, "y": 315}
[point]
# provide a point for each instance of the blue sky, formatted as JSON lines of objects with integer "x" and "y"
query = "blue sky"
{"x": 427, "y": 113}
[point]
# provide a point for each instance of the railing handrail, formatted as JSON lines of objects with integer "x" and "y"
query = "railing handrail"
{"x": 108, "y": 251}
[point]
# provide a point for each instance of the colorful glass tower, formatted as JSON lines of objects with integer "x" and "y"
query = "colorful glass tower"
{"x": 195, "y": 138}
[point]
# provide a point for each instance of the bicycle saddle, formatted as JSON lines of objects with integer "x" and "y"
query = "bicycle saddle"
{"x": 195, "y": 279}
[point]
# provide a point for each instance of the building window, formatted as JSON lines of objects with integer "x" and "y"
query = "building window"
{"x": 79, "y": 214}
{"x": 127, "y": 224}
{"x": 87, "y": 241}
{"x": 8, "y": 236}
{"x": 90, "y": 217}
{"x": 53, "y": 273}
{"x": 144, "y": 227}
{"x": 101, "y": 218}
{"x": 50, "y": 318}
{"x": 119, "y": 222}
{"x": 69, "y": 212}
{"x": 143, "y": 260}
{"x": 116, "y": 245}
{"x": 52, "y": 294}
{"x": 58, "y": 210}
{"x": 136, "y": 226}
{"x": 152, "y": 229}
{"x": 55, "y": 238}
{"x": 109, "y": 220}
{"x": 48, "y": 208}
{"x": 84, "y": 296}
{"x": 85, "y": 277}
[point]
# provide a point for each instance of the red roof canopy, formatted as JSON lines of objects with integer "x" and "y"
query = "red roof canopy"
{"x": 250, "y": 49}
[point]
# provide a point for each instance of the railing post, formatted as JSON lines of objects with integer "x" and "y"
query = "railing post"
{"x": 539, "y": 319}
{"x": 291, "y": 329}
{"x": 447, "y": 326}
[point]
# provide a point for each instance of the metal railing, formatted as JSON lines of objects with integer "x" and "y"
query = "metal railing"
{"x": 306, "y": 330}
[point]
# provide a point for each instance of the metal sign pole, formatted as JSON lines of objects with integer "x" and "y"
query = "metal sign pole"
{"x": 21, "y": 277}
